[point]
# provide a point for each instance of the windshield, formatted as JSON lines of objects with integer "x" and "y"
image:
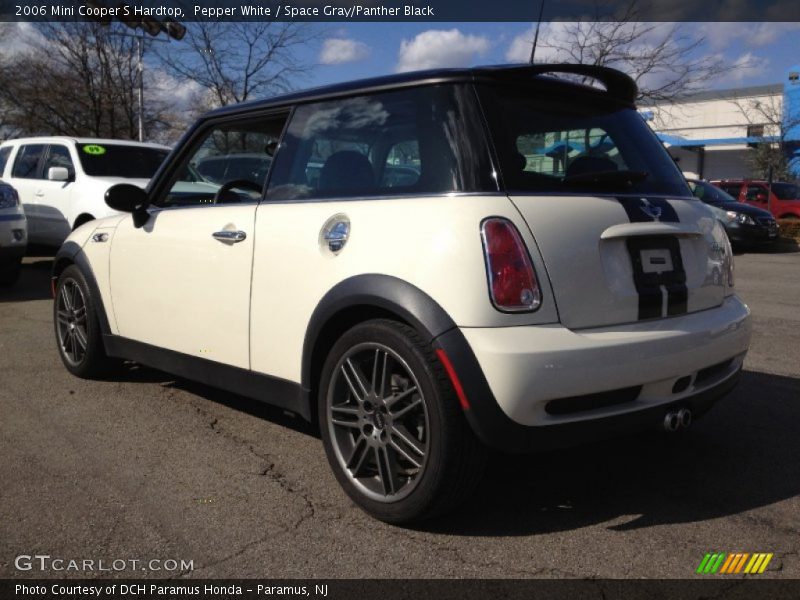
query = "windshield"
{"x": 117, "y": 160}
{"x": 578, "y": 144}
{"x": 708, "y": 192}
{"x": 786, "y": 191}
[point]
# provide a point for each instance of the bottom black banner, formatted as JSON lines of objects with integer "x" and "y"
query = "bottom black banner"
{"x": 391, "y": 589}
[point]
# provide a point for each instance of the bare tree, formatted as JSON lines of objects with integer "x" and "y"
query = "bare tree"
{"x": 75, "y": 79}
{"x": 660, "y": 57}
{"x": 236, "y": 62}
{"x": 770, "y": 153}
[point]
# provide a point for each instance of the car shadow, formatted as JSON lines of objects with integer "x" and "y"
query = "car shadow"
{"x": 780, "y": 246}
{"x": 130, "y": 372}
{"x": 741, "y": 456}
{"x": 33, "y": 282}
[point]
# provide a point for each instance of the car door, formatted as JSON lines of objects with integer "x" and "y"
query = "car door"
{"x": 26, "y": 177}
{"x": 182, "y": 281}
{"x": 53, "y": 199}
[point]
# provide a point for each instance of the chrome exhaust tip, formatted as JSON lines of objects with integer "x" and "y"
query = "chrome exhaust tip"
{"x": 672, "y": 421}
{"x": 685, "y": 417}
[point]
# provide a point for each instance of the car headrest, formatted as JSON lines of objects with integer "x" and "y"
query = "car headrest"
{"x": 346, "y": 170}
{"x": 590, "y": 164}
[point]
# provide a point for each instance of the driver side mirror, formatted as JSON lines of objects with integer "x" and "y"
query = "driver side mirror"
{"x": 126, "y": 197}
{"x": 58, "y": 174}
{"x": 761, "y": 197}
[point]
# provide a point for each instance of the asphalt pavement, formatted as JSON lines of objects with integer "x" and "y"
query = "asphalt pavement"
{"x": 146, "y": 467}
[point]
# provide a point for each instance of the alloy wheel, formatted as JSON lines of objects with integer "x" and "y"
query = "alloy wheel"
{"x": 73, "y": 337}
{"x": 378, "y": 422}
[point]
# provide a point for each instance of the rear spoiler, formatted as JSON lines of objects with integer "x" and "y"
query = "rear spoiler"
{"x": 617, "y": 83}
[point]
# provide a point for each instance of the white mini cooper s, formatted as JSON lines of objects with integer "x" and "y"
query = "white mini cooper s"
{"x": 433, "y": 264}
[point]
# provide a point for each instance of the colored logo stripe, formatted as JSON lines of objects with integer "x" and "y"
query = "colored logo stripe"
{"x": 737, "y": 562}
{"x": 711, "y": 563}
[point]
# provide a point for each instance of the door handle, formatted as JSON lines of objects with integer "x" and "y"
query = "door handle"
{"x": 231, "y": 237}
{"x": 39, "y": 194}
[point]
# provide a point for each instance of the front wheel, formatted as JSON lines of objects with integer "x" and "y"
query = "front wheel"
{"x": 392, "y": 427}
{"x": 78, "y": 336}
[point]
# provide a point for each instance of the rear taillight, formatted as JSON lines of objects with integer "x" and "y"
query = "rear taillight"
{"x": 513, "y": 285}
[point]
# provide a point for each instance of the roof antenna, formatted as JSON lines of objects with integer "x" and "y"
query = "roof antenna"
{"x": 536, "y": 36}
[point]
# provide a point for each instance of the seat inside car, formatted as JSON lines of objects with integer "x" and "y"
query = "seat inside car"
{"x": 346, "y": 170}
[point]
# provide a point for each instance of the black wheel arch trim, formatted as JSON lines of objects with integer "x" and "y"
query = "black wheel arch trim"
{"x": 377, "y": 291}
{"x": 72, "y": 253}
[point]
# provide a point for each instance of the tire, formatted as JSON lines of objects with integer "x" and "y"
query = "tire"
{"x": 393, "y": 429}
{"x": 9, "y": 272}
{"x": 78, "y": 337}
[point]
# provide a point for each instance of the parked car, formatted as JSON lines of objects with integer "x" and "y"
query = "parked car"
{"x": 62, "y": 181}
{"x": 228, "y": 167}
{"x": 509, "y": 296}
{"x": 784, "y": 202}
{"x": 745, "y": 225}
{"x": 13, "y": 233}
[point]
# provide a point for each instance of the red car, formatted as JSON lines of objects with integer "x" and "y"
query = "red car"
{"x": 784, "y": 202}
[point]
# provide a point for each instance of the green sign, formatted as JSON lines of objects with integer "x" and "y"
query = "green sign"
{"x": 94, "y": 149}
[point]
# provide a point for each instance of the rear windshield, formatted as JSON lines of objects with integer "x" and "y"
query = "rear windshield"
{"x": 786, "y": 191}
{"x": 117, "y": 160}
{"x": 547, "y": 143}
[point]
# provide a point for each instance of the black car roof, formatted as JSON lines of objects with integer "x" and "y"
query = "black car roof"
{"x": 618, "y": 85}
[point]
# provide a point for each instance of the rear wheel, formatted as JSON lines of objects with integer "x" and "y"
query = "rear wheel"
{"x": 9, "y": 272}
{"x": 392, "y": 426}
{"x": 78, "y": 336}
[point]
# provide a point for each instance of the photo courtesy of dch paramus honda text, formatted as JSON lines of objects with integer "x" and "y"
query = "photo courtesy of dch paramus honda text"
{"x": 427, "y": 266}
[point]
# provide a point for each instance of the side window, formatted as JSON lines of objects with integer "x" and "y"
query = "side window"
{"x": 229, "y": 164}
{"x": 732, "y": 190}
{"x": 27, "y": 161}
{"x": 571, "y": 152}
{"x": 5, "y": 152}
{"x": 404, "y": 142}
{"x": 756, "y": 193}
{"x": 58, "y": 156}
{"x": 402, "y": 167}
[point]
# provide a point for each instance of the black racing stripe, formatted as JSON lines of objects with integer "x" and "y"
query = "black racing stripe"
{"x": 644, "y": 210}
{"x": 648, "y": 285}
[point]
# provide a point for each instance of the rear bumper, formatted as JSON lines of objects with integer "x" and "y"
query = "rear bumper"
{"x": 512, "y": 375}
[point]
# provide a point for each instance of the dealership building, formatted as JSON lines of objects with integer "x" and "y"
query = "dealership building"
{"x": 713, "y": 134}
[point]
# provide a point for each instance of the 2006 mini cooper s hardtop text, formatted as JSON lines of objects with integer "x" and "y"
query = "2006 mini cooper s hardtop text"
{"x": 433, "y": 264}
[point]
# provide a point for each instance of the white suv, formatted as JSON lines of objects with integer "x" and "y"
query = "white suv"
{"x": 434, "y": 264}
{"x": 62, "y": 181}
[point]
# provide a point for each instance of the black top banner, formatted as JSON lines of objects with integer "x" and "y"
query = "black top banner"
{"x": 405, "y": 10}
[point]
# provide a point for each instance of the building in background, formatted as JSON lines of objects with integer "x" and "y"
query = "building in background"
{"x": 716, "y": 134}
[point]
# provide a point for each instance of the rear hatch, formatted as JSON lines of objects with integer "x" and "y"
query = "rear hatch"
{"x": 619, "y": 231}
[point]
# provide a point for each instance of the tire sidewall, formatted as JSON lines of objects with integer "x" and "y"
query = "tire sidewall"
{"x": 94, "y": 349}
{"x": 427, "y": 487}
